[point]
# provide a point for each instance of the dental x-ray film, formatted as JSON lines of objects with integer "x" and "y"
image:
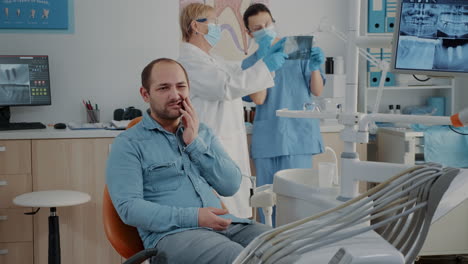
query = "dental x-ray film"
{"x": 433, "y": 36}
{"x": 298, "y": 47}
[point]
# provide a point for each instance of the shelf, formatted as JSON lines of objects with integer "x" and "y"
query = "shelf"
{"x": 305, "y": 114}
{"x": 412, "y": 87}
{"x": 379, "y": 35}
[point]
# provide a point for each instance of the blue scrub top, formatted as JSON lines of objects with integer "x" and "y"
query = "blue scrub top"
{"x": 278, "y": 136}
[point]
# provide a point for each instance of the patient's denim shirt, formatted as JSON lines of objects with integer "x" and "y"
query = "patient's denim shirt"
{"x": 157, "y": 183}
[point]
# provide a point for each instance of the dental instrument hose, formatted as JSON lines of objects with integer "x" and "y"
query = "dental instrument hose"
{"x": 265, "y": 239}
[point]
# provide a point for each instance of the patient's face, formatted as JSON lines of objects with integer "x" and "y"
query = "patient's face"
{"x": 168, "y": 88}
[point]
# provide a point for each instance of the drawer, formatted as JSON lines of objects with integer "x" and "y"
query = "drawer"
{"x": 17, "y": 253}
{"x": 13, "y": 185}
{"x": 15, "y": 157}
{"x": 15, "y": 226}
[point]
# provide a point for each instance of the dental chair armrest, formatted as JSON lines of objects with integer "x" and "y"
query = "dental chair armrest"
{"x": 141, "y": 256}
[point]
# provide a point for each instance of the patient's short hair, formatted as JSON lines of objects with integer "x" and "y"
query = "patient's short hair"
{"x": 146, "y": 73}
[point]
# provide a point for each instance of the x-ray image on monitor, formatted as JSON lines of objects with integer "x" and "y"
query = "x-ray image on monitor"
{"x": 419, "y": 20}
{"x": 452, "y": 54}
{"x": 453, "y": 21}
{"x": 14, "y": 83}
{"x": 416, "y": 53}
{"x": 432, "y": 37}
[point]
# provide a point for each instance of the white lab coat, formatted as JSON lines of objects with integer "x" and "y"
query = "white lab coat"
{"x": 216, "y": 89}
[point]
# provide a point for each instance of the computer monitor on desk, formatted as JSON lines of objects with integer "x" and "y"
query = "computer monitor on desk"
{"x": 431, "y": 38}
{"x": 24, "y": 81}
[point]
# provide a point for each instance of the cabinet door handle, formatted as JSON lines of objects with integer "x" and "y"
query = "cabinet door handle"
{"x": 2, "y": 148}
{"x": 3, "y": 251}
{"x": 3, "y": 183}
{"x": 3, "y": 217}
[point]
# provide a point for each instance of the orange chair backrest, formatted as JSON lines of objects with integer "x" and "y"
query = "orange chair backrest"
{"x": 123, "y": 238}
{"x": 134, "y": 121}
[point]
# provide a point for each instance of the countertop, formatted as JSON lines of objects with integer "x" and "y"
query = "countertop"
{"x": 52, "y": 133}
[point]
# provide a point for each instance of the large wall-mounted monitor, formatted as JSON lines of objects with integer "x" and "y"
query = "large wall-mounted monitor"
{"x": 24, "y": 80}
{"x": 431, "y": 37}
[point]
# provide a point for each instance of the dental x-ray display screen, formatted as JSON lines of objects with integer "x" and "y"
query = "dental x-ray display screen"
{"x": 24, "y": 80}
{"x": 432, "y": 37}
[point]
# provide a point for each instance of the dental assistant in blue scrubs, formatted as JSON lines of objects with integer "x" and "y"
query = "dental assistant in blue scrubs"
{"x": 280, "y": 143}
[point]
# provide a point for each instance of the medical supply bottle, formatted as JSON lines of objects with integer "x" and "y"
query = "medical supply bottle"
{"x": 252, "y": 114}
{"x": 329, "y": 65}
{"x": 398, "y": 110}
{"x": 338, "y": 65}
{"x": 390, "y": 109}
{"x": 246, "y": 119}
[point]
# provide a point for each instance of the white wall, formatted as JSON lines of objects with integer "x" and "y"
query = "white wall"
{"x": 113, "y": 41}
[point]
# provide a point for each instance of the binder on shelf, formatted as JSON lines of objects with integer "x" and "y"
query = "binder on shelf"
{"x": 374, "y": 71}
{"x": 376, "y": 16}
{"x": 387, "y": 56}
{"x": 390, "y": 15}
{"x": 374, "y": 78}
{"x": 376, "y": 53}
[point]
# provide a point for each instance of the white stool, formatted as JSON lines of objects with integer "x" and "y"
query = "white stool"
{"x": 52, "y": 199}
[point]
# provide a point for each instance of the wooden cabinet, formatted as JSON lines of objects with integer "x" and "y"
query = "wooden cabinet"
{"x": 15, "y": 157}
{"x": 16, "y": 228}
{"x": 16, "y": 253}
{"x": 76, "y": 164}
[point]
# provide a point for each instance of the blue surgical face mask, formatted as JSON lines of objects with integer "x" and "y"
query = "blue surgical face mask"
{"x": 268, "y": 31}
{"x": 213, "y": 35}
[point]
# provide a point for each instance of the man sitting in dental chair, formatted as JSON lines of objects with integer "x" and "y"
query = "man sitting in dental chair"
{"x": 161, "y": 174}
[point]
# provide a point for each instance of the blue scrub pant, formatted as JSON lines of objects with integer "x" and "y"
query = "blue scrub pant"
{"x": 267, "y": 167}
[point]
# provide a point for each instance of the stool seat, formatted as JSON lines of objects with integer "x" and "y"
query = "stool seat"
{"x": 52, "y": 198}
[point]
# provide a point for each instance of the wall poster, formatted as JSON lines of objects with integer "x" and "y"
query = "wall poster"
{"x": 33, "y": 14}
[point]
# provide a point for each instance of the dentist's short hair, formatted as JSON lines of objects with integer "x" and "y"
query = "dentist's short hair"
{"x": 190, "y": 13}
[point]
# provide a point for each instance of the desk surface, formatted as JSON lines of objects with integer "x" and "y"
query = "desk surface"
{"x": 52, "y": 133}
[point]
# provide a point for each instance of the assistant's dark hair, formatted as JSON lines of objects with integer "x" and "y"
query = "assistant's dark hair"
{"x": 253, "y": 10}
{"x": 146, "y": 73}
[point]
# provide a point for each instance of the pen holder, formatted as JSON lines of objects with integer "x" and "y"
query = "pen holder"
{"x": 92, "y": 116}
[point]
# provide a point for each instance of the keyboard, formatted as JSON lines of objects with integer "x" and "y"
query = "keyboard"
{"x": 22, "y": 125}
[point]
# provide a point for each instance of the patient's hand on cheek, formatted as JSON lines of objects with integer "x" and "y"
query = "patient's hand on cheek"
{"x": 190, "y": 121}
{"x": 208, "y": 217}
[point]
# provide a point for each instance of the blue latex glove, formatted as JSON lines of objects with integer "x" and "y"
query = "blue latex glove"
{"x": 316, "y": 58}
{"x": 275, "y": 56}
{"x": 264, "y": 45}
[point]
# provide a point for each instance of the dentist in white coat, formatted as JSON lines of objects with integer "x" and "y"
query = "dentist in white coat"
{"x": 218, "y": 86}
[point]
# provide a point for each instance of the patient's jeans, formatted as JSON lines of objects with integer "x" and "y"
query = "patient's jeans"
{"x": 207, "y": 246}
